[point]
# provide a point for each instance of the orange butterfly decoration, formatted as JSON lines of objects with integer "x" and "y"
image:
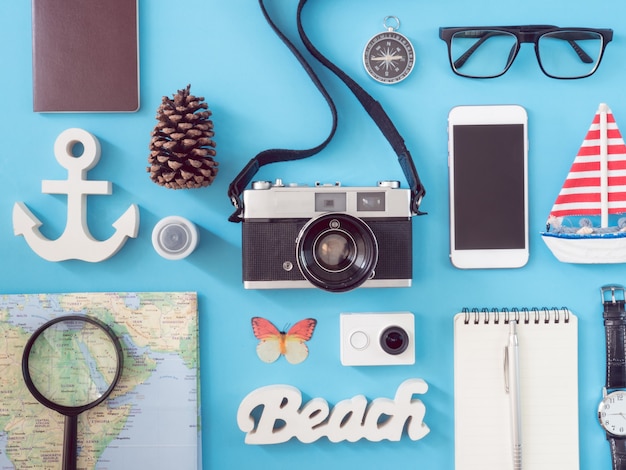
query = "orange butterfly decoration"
{"x": 273, "y": 342}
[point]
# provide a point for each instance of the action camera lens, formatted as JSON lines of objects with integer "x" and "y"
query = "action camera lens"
{"x": 394, "y": 340}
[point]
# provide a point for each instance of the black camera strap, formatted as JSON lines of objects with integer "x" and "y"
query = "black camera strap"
{"x": 373, "y": 108}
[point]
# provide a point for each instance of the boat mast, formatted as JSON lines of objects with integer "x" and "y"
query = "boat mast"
{"x": 604, "y": 164}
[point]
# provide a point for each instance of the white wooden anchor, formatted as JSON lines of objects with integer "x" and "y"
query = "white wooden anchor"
{"x": 76, "y": 242}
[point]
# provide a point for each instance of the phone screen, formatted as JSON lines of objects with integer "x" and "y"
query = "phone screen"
{"x": 489, "y": 199}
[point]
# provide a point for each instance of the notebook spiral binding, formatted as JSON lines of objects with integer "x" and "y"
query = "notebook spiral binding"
{"x": 525, "y": 315}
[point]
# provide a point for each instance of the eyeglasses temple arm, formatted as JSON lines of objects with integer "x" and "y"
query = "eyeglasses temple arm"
{"x": 460, "y": 62}
{"x": 584, "y": 57}
{"x": 582, "y": 54}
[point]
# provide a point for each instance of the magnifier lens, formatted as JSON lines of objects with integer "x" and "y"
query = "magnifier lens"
{"x": 73, "y": 363}
{"x": 70, "y": 365}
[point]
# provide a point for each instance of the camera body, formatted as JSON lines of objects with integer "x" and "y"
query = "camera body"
{"x": 377, "y": 339}
{"x": 327, "y": 236}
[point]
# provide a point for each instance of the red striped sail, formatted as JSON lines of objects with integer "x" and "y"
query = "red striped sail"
{"x": 589, "y": 178}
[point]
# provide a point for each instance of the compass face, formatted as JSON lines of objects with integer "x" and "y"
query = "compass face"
{"x": 388, "y": 57}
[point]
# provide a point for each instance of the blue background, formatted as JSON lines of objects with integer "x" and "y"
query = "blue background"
{"x": 261, "y": 98}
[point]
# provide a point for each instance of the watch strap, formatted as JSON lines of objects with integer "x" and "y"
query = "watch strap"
{"x": 373, "y": 108}
{"x": 618, "y": 452}
{"x": 615, "y": 332}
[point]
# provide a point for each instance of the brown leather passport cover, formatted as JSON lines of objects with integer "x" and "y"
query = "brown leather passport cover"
{"x": 85, "y": 56}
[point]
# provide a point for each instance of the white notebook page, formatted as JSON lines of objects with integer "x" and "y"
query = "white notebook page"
{"x": 548, "y": 360}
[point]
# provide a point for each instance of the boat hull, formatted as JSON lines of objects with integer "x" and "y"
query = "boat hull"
{"x": 586, "y": 249}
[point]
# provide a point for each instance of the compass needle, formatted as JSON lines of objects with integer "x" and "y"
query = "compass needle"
{"x": 393, "y": 50}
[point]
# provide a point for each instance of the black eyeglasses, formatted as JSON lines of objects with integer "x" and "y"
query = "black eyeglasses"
{"x": 489, "y": 51}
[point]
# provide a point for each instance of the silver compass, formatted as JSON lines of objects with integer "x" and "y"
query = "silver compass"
{"x": 389, "y": 56}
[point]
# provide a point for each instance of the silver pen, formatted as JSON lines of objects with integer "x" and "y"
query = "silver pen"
{"x": 512, "y": 385}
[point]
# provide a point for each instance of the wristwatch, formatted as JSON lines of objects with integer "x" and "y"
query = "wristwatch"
{"x": 612, "y": 409}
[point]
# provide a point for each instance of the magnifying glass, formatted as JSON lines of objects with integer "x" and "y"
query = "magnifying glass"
{"x": 71, "y": 364}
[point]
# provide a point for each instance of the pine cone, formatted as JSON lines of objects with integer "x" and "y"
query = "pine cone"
{"x": 181, "y": 148}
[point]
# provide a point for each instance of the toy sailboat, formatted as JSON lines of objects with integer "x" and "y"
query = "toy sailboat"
{"x": 594, "y": 195}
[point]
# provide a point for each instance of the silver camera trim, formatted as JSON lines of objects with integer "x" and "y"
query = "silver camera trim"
{"x": 303, "y": 284}
{"x": 279, "y": 201}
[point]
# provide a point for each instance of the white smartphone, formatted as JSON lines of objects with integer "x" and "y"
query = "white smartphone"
{"x": 488, "y": 172}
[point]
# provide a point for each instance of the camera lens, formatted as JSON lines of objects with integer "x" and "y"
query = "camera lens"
{"x": 336, "y": 252}
{"x": 394, "y": 340}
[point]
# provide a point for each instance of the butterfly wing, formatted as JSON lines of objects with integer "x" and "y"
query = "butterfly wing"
{"x": 264, "y": 329}
{"x": 295, "y": 349}
{"x": 268, "y": 350}
{"x": 303, "y": 330}
{"x": 271, "y": 340}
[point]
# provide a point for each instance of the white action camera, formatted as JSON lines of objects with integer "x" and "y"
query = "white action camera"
{"x": 377, "y": 339}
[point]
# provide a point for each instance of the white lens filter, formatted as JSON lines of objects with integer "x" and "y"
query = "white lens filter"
{"x": 174, "y": 237}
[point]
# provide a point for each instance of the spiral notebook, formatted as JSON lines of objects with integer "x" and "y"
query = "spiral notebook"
{"x": 548, "y": 370}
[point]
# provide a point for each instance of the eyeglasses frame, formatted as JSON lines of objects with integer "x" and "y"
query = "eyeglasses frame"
{"x": 526, "y": 34}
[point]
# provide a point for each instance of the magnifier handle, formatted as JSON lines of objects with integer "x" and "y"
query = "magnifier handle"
{"x": 70, "y": 444}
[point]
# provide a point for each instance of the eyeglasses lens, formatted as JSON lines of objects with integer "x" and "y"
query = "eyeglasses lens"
{"x": 482, "y": 53}
{"x": 570, "y": 54}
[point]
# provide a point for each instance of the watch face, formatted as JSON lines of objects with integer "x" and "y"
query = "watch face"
{"x": 612, "y": 413}
{"x": 388, "y": 57}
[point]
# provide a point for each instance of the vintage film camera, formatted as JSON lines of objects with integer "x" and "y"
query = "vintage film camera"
{"x": 327, "y": 236}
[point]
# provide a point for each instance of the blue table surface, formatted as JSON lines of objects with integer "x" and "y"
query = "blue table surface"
{"x": 261, "y": 98}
